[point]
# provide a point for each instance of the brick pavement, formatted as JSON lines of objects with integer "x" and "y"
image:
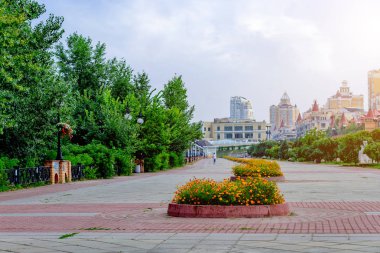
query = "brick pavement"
{"x": 331, "y": 200}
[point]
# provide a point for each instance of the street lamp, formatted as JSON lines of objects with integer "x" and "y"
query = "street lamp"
{"x": 268, "y": 132}
{"x": 59, "y": 150}
{"x": 140, "y": 119}
{"x": 127, "y": 114}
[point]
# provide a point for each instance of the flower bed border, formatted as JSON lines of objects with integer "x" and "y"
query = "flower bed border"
{"x": 217, "y": 211}
{"x": 273, "y": 179}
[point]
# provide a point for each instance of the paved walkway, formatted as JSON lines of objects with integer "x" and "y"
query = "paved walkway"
{"x": 334, "y": 209}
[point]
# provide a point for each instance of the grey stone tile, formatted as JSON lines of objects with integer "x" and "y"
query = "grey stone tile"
{"x": 258, "y": 237}
{"x": 226, "y": 237}
{"x": 154, "y": 236}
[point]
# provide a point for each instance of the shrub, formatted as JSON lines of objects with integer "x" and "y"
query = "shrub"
{"x": 253, "y": 191}
{"x": 255, "y": 168}
{"x": 175, "y": 160}
{"x": 123, "y": 163}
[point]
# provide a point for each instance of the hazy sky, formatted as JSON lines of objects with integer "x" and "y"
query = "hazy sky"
{"x": 254, "y": 49}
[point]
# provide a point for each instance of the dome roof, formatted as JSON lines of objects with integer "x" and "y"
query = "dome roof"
{"x": 285, "y": 100}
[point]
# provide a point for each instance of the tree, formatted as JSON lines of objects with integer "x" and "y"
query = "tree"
{"x": 373, "y": 151}
{"x": 30, "y": 90}
{"x": 82, "y": 63}
{"x": 325, "y": 148}
{"x": 350, "y": 144}
{"x": 179, "y": 115}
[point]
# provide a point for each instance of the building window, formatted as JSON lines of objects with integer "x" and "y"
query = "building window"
{"x": 259, "y": 136}
{"x": 259, "y": 127}
{"x": 218, "y": 128}
{"x": 228, "y": 136}
{"x": 228, "y": 128}
{"x": 249, "y": 135}
{"x": 204, "y": 129}
{"x": 238, "y": 128}
{"x": 209, "y": 129}
{"x": 248, "y": 128}
{"x": 238, "y": 136}
{"x": 323, "y": 125}
{"x": 218, "y": 136}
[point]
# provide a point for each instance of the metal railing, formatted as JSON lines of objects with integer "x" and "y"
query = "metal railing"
{"x": 25, "y": 176}
{"x": 77, "y": 172}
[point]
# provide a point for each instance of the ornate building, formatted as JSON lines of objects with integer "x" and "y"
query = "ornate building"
{"x": 374, "y": 90}
{"x": 283, "y": 119}
{"x": 240, "y": 109}
{"x": 344, "y": 99}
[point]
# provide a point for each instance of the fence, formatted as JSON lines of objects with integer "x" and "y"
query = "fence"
{"x": 77, "y": 172}
{"x": 26, "y": 176}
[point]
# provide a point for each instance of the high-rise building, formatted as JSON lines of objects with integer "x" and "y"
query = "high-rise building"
{"x": 283, "y": 118}
{"x": 345, "y": 99}
{"x": 374, "y": 89}
{"x": 284, "y": 113}
{"x": 240, "y": 109}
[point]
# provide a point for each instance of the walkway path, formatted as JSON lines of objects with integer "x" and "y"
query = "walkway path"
{"x": 333, "y": 209}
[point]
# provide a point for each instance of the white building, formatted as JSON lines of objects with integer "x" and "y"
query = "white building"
{"x": 240, "y": 109}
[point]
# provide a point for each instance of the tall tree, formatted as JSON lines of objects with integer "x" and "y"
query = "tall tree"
{"x": 30, "y": 91}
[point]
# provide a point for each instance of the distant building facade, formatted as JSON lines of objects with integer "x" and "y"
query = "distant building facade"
{"x": 374, "y": 90}
{"x": 314, "y": 118}
{"x": 344, "y": 99}
{"x": 341, "y": 109}
{"x": 234, "y": 131}
{"x": 240, "y": 108}
{"x": 283, "y": 119}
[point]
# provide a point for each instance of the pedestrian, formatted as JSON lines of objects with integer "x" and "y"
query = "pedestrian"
{"x": 214, "y": 157}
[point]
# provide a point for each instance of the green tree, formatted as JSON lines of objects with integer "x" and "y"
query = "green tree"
{"x": 373, "y": 151}
{"x": 30, "y": 91}
{"x": 82, "y": 63}
{"x": 350, "y": 144}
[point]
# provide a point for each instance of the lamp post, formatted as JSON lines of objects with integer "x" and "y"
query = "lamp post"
{"x": 268, "y": 132}
{"x": 59, "y": 150}
{"x": 139, "y": 154}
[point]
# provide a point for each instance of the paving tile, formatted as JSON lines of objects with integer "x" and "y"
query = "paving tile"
{"x": 226, "y": 237}
{"x": 258, "y": 237}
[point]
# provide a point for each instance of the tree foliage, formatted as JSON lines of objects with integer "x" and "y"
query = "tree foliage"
{"x": 42, "y": 78}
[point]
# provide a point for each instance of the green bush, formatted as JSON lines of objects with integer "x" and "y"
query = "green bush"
{"x": 175, "y": 160}
{"x": 6, "y": 163}
{"x": 123, "y": 163}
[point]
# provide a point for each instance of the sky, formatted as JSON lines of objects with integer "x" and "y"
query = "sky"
{"x": 224, "y": 48}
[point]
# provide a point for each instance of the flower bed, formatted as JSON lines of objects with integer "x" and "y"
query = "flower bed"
{"x": 254, "y": 197}
{"x": 273, "y": 179}
{"x": 256, "y": 168}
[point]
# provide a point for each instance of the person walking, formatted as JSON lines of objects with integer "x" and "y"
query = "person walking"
{"x": 214, "y": 157}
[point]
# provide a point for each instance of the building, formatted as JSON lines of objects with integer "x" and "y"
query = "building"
{"x": 324, "y": 118}
{"x": 314, "y": 118}
{"x": 240, "y": 109}
{"x": 371, "y": 120}
{"x": 228, "y": 131}
{"x": 283, "y": 119}
{"x": 374, "y": 90}
{"x": 344, "y": 99}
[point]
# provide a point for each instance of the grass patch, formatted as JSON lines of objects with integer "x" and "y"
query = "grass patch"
{"x": 67, "y": 235}
{"x": 247, "y": 228}
{"x": 96, "y": 228}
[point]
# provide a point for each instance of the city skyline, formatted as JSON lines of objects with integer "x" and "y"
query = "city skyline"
{"x": 253, "y": 49}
